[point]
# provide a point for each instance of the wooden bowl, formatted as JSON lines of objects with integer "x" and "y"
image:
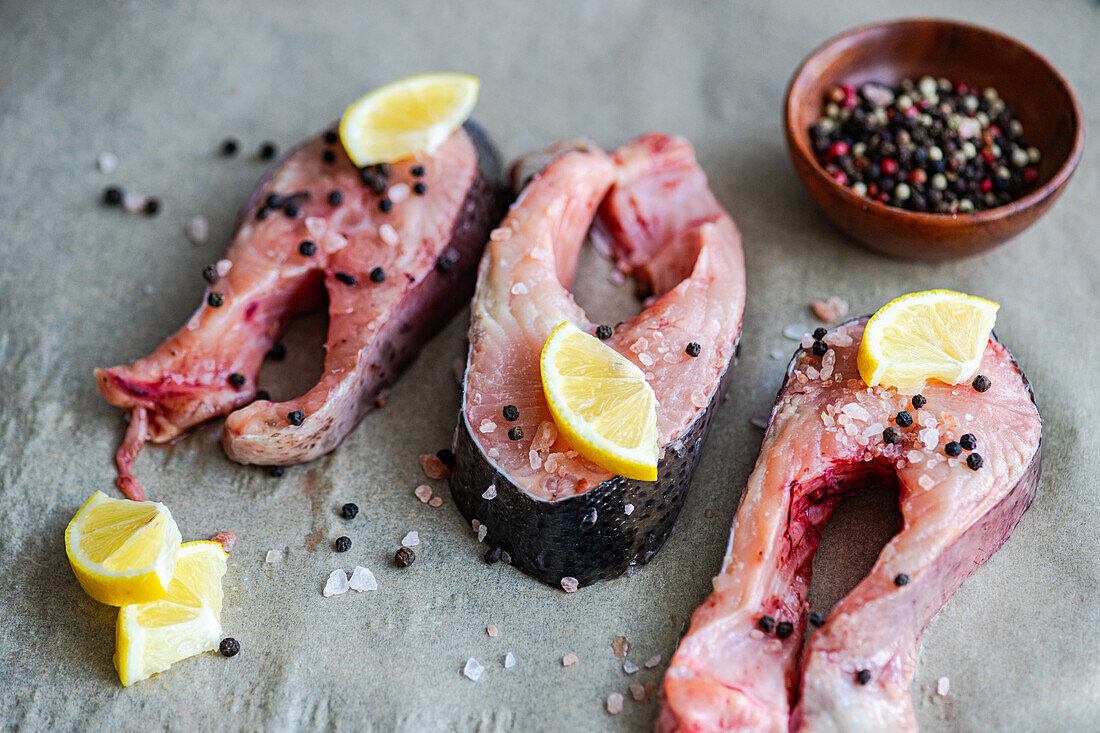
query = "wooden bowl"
{"x": 893, "y": 51}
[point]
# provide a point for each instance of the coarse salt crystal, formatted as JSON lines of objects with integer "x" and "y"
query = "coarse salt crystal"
{"x": 273, "y": 556}
{"x": 838, "y": 338}
{"x": 646, "y": 359}
{"x": 569, "y": 660}
{"x": 493, "y": 452}
{"x": 942, "y": 686}
{"x": 614, "y": 703}
{"x": 316, "y": 226}
{"x": 519, "y": 289}
{"x": 812, "y": 372}
{"x": 778, "y": 354}
{"x": 698, "y": 398}
{"x": 398, "y": 192}
{"x": 544, "y": 436}
{"x": 570, "y": 584}
{"x": 535, "y": 459}
{"x": 490, "y": 493}
{"x": 133, "y": 202}
{"x": 756, "y": 634}
{"x": 637, "y": 692}
{"x": 872, "y": 429}
{"x": 436, "y": 501}
{"x": 629, "y": 667}
{"x": 929, "y": 437}
{"x": 926, "y": 482}
{"x": 197, "y": 230}
{"x": 831, "y": 309}
{"x": 487, "y": 426}
{"x": 433, "y": 466}
{"x": 794, "y": 331}
{"x": 500, "y": 234}
{"x": 106, "y": 162}
{"x": 412, "y": 539}
{"x": 223, "y": 267}
{"x": 807, "y": 341}
{"x": 423, "y": 492}
{"x": 628, "y": 509}
{"x": 481, "y": 532}
{"x": 388, "y": 234}
{"x": 336, "y": 584}
{"x": 473, "y": 669}
{"x": 620, "y": 646}
{"x": 855, "y": 411}
{"x": 362, "y": 579}
{"x": 914, "y": 456}
{"x": 826, "y": 372}
{"x": 653, "y": 661}
{"x": 491, "y": 630}
{"x": 509, "y": 660}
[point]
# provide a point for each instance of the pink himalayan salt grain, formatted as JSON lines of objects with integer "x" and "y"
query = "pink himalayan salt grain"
{"x": 544, "y": 436}
{"x": 569, "y": 660}
{"x": 838, "y": 339}
{"x": 433, "y": 467}
{"x": 812, "y": 373}
{"x": 646, "y": 359}
{"x": 491, "y": 630}
{"x": 698, "y": 398}
{"x": 226, "y": 539}
{"x": 640, "y": 345}
{"x": 855, "y": 411}
{"x": 914, "y": 456}
{"x": 653, "y": 661}
{"x": 423, "y": 492}
{"x": 614, "y": 703}
{"x": 926, "y": 482}
{"x": 481, "y": 532}
{"x": 943, "y": 685}
{"x": 487, "y": 426}
{"x": 570, "y": 584}
{"x": 629, "y": 667}
{"x": 388, "y": 234}
{"x": 830, "y": 310}
{"x": 638, "y": 692}
{"x": 436, "y": 502}
{"x": 620, "y": 646}
{"x": 553, "y": 462}
{"x": 500, "y": 234}
{"x": 490, "y": 493}
{"x": 535, "y": 459}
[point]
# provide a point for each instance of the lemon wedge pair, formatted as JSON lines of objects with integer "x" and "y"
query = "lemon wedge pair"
{"x": 129, "y": 554}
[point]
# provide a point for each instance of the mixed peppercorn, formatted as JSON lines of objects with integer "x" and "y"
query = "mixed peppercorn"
{"x": 927, "y": 145}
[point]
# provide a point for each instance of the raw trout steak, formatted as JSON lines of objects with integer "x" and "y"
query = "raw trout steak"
{"x": 743, "y": 665}
{"x": 394, "y": 248}
{"x": 557, "y": 515}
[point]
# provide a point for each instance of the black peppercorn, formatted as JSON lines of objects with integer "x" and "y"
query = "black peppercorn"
{"x": 766, "y": 624}
{"x": 377, "y": 275}
{"x": 278, "y": 352}
{"x": 784, "y": 629}
{"x": 492, "y": 555}
{"x": 419, "y": 188}
{"x": 152, "y": 206}
{"x": 331, "y": 137}
{"x": 974, "y": 461}
{"x": 445, "y": 263}
{"x": 291, "y": 209}
{"x": 335, "y": 198}
{"x": 919, "y": 401}
{"x": 968, "y": 441}
{"x": 515, "y": 433}
{"x": 210, "y": 274}
{"x": 603, "y": 333}
{"x": 891, "y": 436}
{"x": 952, "y": 449}
{"x": 267, "y": 150}
{"x": 296, "y": 418}
{"x": 342, "y": 544}
{"x": 901, "y": 579}
{"x": 112, "y": 195}
{"x": 262, "y": 213}
{"x": 385, "y": 205}
{"x": 447, "y": 456}
{"x": 404, "y": 557}
{"x": 863, "y": 676}
{"x": 817, "y": 619}
{"x": 511, "y": 413}
{"x": 230, "y": 146}
{"x": 819, "y": 333}
{"x": 349, "y": 510}
{"x": 237, "y": 380}
{"x": 903, "y": 419}
{"x": 229, "y": 647}
{"x": 277, "y": 471}
{"x": 693, "y": 349}
{"x": 273, "y": 201}
{"x": 307, "y": 248}
{"x": 417, "y": 170}
{"x": 345, "y": 278}
{"x": 820, "y": 348}
{"x": 328, "y": 156}
{"x": 215, "y": 299}
{"x": 981, "y": 383}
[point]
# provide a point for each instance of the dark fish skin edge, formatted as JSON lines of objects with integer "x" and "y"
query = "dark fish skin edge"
{"x": 553, "y": 540}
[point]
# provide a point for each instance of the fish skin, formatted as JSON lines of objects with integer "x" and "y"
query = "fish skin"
{"x": 726, "y": 677}
{"x": 375, "y": 329}
{"x": 652, "y": 198}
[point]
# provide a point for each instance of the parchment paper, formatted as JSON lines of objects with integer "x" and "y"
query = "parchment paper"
{"x": 160, "y": 84}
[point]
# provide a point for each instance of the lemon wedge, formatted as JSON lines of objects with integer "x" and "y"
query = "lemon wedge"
{"x": 122, "y": 551}
{"x": 150, "y": 637}
{"x": 600, "y": 402}
{"x": 407, "y": 116}
{"x": 935, "y": 334}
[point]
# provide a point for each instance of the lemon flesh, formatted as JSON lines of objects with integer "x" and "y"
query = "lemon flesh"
{"x": 151, "y": 637}
{"x": 933, "y": 335}
{"x": 601, "y": 403}
{"x": 122, "y": 551}
{"x": 408, "y": 116}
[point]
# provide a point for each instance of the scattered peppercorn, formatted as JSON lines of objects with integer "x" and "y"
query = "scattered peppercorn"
{"x": 335, "y": 198}
{"x": 766, "y": 624}
{"x": 445, "y": 263}
{"x": 819, "y": 333}
{"x": 278, "y": 352}
{"x": 345, "y": 278}
{"x": 230, "y": 146}
{"x": 372, "y": 180}
{"x": 267, "y": 150}
{"x": 817, "y": 619}
{"x": 237, "y": 380}
{"x": 447, "y": 456}
{"x": 152, "y": 206}
{"x": 215, "y": 299}
{"x": 229, "y": 647}
{"x": 384, "y": 169}
{"x": 693, "y": 349}
{"x": 968, "y": 441}
{"x": 903, "y": 419}
{"x": 863, "y": 676}
{"x": 901, "y": 579}
{"x": 210, "y": 274}
{"x": 377, "y": 275}
{"x": 297, "y": 417}
{"x": 981, "y": 383}
{"x": 820, "y": 348}
{"x": 891, "y": 436}
{"x": 919, "y": 401}
{"x": 273, "y": 201}
{"x": 515, "y": 433}
{"x": 511, "y": 413}
{"x": 492, "y": 555}
{"x": 974, "y": 461}
{"x": 784, "y": 629}
{"x": 328, "y": 156}
{"x": 404, "y": 557}
{"x": 331, "y": 137}
{"x": 342, "y": 544}
{"x": 603, "y": 333}
{"x": 262, "y": 213}
{"x": 419, "y": 188}
{"x": 277, "y": 471}
{"x": 112, "y": 195}
{"x": 385, "y": 205}
{"x": 291, "y": 209}
{"x": 307, "y": 248}
{"x": 417, "y": 170}
{"x": 952, "y": 449}
{"x": 349, "y": 510}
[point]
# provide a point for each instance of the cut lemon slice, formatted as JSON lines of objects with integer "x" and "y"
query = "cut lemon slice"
{"x": 122, "y": 551}
{"x": 601, "y": 403}
{"x": 407, "y": 116}
{"x": 936, "y": 334}
{"x": 150, "y": 637}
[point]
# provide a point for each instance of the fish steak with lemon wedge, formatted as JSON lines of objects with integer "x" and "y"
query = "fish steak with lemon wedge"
{"x": 392, "y": 250}
{"x": 963, "y": 453}
{"x": 536, "y": 481}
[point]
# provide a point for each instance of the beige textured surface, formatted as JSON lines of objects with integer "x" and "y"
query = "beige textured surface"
{"x": 159, "y": 85}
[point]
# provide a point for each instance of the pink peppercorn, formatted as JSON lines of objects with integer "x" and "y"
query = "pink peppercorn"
{"x": 1030, "y": 174}
{"x": 889, "y": 166}
{"x": 917, "y": 175}
{"x": 836, "y": 150}
{"x": 986, "y": 185}
{"x": 839, "y": 177}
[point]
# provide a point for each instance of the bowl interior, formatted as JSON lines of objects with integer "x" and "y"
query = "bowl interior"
{"x": 978, "y": 57}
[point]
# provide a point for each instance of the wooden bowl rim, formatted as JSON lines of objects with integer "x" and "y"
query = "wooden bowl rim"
{"x": 799, "y": 142}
